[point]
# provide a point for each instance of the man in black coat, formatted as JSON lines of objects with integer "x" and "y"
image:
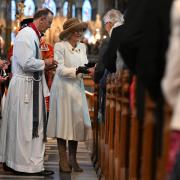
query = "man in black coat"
{"x": 100, "y": 68}
{"x": 142, "y": 42}
{"x": 100, "y": 76}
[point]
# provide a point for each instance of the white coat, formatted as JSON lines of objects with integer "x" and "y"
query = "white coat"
{"x": 17, "y": 148}
{"x": 69, "y": 116}
{"x": 171, "y": 80}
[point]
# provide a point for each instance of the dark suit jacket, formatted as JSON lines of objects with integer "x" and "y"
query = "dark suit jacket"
{"x": 127, "y": 36}
{"x": 100, "y": 68}
{"x": 142, "y": 42}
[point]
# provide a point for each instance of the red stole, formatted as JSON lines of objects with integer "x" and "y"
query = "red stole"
{"x": 35, "y": 29}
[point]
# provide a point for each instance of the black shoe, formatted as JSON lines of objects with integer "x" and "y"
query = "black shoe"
{"x": 6, "y": 168}
{"x": 41, "y": 173}
{"x": 44, "y": 173}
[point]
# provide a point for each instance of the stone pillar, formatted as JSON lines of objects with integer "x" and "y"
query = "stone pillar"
{"x": 78, "y": 4}
{"x": 94, "y": 5}
{"x": 59, "y": 5}
{"x": 104, "y": 6}
{"x": 8, "y": 28}
{"x": 38, "y": 4}
{"x": 69, "y": 14}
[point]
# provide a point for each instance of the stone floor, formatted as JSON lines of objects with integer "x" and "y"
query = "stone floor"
{"x": 51, "y": 162}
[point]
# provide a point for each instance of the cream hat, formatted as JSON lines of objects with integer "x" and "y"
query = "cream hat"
{"x": 72, "y": 25}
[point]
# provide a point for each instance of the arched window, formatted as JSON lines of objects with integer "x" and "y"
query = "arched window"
{"x": 29, "y": 8}
{"x": 86, "y": 11}
{"x": 73, "y": 10}
{"x": 65, "y": 8}
{"x": 13, "y": 10}
{"x": 50, "y": 4}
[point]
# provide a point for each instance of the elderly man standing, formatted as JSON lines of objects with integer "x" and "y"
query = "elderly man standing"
{"x": 112, "y": 19}
{"x": 23, "y": 131}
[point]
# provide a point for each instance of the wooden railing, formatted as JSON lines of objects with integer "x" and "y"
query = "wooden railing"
{"x": 123, "y": 145}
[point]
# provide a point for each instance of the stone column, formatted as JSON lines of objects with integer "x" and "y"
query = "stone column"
{"x": 104, "y": 6}
{"x": 8, "y": 28}
{"x": 94, "y": 5}
{"x": 78, "y": 4}
{"x": 38, "y": 3}
{"x": 69, "y": 14}
{"x": 59, "y": 5}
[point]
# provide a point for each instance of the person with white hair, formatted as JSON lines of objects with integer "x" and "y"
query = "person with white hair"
{"x": 113, "y": 18}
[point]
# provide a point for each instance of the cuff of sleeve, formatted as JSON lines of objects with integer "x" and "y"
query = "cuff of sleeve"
{"x": 43, "y": 65}
{"x": 79, "y": 76}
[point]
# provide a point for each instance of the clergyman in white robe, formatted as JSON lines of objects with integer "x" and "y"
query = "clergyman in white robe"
{"x": 18, "y": 149}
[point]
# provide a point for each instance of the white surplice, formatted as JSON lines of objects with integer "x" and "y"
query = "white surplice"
{"x": 69, "y": 115}
{"x": 17, "y": 148}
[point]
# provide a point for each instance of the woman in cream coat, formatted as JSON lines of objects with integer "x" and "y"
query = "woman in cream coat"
{"x": 69, "y": 116}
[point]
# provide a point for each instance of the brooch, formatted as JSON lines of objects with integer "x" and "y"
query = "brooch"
{"x": 76, "y": 50}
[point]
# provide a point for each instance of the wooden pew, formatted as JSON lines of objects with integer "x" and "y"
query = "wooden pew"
{"x": 92, "y": 99}
{"x": 106, "y": 155}
{"x": 111, "y": 127}
{"x": 124, "y": 131}
{"x": 134, "y": 140}
{"x": 147, "y": 144}
{"x": 162, "y": 162}
{"x": 118, "y": 93}
{"x": 118, "y": 141}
